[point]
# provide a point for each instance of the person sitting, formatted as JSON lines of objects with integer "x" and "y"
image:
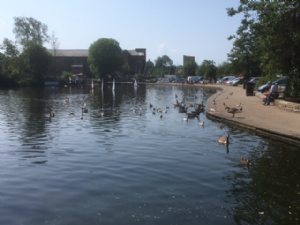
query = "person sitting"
{"x": 273, "y": 92}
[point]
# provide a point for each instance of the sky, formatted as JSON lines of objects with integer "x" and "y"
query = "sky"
{"x": 174, "y": 28}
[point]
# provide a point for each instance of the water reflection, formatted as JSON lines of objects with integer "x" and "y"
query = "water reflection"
{"x": 118, "y": 166}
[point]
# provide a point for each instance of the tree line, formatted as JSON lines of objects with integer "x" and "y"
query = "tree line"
{"x": 267, "y": 43}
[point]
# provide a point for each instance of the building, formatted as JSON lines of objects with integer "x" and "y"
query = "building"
{"x": 75, "y": 61}
{"x": 187, "y": 59}
{"x": 71, "y": 60}
{"x": 136, "y": 60}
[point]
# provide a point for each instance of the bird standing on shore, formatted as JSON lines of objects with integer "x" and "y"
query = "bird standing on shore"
{"x": 232, "y": 110}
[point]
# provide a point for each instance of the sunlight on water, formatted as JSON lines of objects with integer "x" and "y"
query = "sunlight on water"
{"x": 122, "y": 163}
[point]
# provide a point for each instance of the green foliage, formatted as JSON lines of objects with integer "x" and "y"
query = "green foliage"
{"x": 265, "y": 79}
{"x": 29, "y": 29}
{"x": 149, "y": 67}
{"x": 189, "y": 69}
{"x": 126, "y": 69}
{"x": 268, "y": 39}
{"x": 66, "y": 74}
{"x": 207, "y": 69}
{"x": 105, "y": 57}
{"x": 224, "y": 69}
{"x": 35, "y": 60}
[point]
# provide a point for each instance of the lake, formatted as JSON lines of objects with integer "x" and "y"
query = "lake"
{"x": 112, "y": 165}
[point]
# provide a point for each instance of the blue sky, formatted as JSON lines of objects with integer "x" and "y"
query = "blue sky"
{"x": 175, "y": 28}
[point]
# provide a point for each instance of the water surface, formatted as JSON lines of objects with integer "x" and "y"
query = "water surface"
{"x": 116, "y": 166}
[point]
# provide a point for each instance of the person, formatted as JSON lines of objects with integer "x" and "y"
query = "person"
{"x": 273, "y": 92}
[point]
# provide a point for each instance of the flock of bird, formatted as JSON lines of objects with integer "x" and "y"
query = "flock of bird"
{"x": 182, "y": 106}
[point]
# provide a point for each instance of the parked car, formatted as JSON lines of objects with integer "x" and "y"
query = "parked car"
{"x": 180, "y": 80}
{"x": 229, "y": 81}
{"x": 254, "y": 79}
{"x": 225, "y": 79}
{"x": 234, "y": 81}
{"x": 265, "y": 87}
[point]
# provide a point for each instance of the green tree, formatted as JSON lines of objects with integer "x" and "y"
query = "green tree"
{"x": 66, "y": 74}
{"x": 189, "y": 69}
{"x": 163, "y": 65}
{"x": 149, "y": 67}
{"x": 35, "y": 60}
{"x": 224, "y": 69}
{"x": 105, "y": 57}
{"x": 29, "y": 29}
{"x": 274, "y": 27}
{"x": 207, "y": 69}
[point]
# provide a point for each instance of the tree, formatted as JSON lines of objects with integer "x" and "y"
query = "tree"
{"x": 207, "y": 69}
{"x": 105, "y": 57}
{"x": 224, "y": 69}
{"x": 189, "y": 69}
{"x": 35, "y": 59}
{"x": 149, "y": 67}
{"x": 163, "y": 65}
{"x": 29, "y": 29}
{"x": 274, "y": 28}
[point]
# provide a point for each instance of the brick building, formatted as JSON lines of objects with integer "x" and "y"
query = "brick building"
{"x": 75, "y": 61}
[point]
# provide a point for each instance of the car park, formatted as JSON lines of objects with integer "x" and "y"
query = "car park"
{"x": 265, "y": 87}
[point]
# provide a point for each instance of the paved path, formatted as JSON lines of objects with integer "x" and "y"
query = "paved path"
{"x": 266, "y": 120}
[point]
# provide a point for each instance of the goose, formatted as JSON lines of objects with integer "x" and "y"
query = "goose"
{"x": 232, "y": 110}
{"x": 212, "y": 109}
{"x": 51, "y": 114}
{"x": 167, "y": 107}
{"x": 84, "y": 110}
{"x": 165, "y": 111}
{"x": 201, "y": 124}
{"x": 72, "y": 113}
{"x": 159, "y": 110}
{"x": 241, "y": 109}
{"x": 176, "y": 96}
{"x": 66, "y": 100}
{"x": 221, "y": 126}
{"x": 161, "y": 116}
{"x": 224, "y": 140}
{"x": 182, "y": 101}
{"x": 153, "y": 112}
{"x": 190, "y": 105}
{"x": 245, "y": 161}
{"x": 196, "y": 97}
{"x": 150, "y": 105}
{"x": 47, "y": 118}
{"x": 238, "y": 105}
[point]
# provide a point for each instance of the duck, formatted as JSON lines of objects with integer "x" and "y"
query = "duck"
{"x": 192, "y": 115}
{"x": 201, "y": 124}
{"x": 51, "y": 114}
{"x": 196, "y": 97}
{"x": 232, "y": 110}
{"x": 150, "y": 105}
{"x": 221, "y": 126}
{"x": 66, "y": 100}
{"x": 190, "y": 105}
{"x": 161, "y": 116}
{"x": 185, "y": 119}
{"x": 238, "y": 105}
{"x": 245, "y": 161}
{"x": 72, "y": 113}
{"x": 224, "y": 140}
{"x": 176, "y": 96}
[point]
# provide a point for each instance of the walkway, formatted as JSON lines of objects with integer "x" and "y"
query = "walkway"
{"x": 264, "y": 120}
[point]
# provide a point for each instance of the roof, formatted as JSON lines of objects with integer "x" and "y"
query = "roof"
{"x": 135, "y": 53}
{"x": 70, "y": 52}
